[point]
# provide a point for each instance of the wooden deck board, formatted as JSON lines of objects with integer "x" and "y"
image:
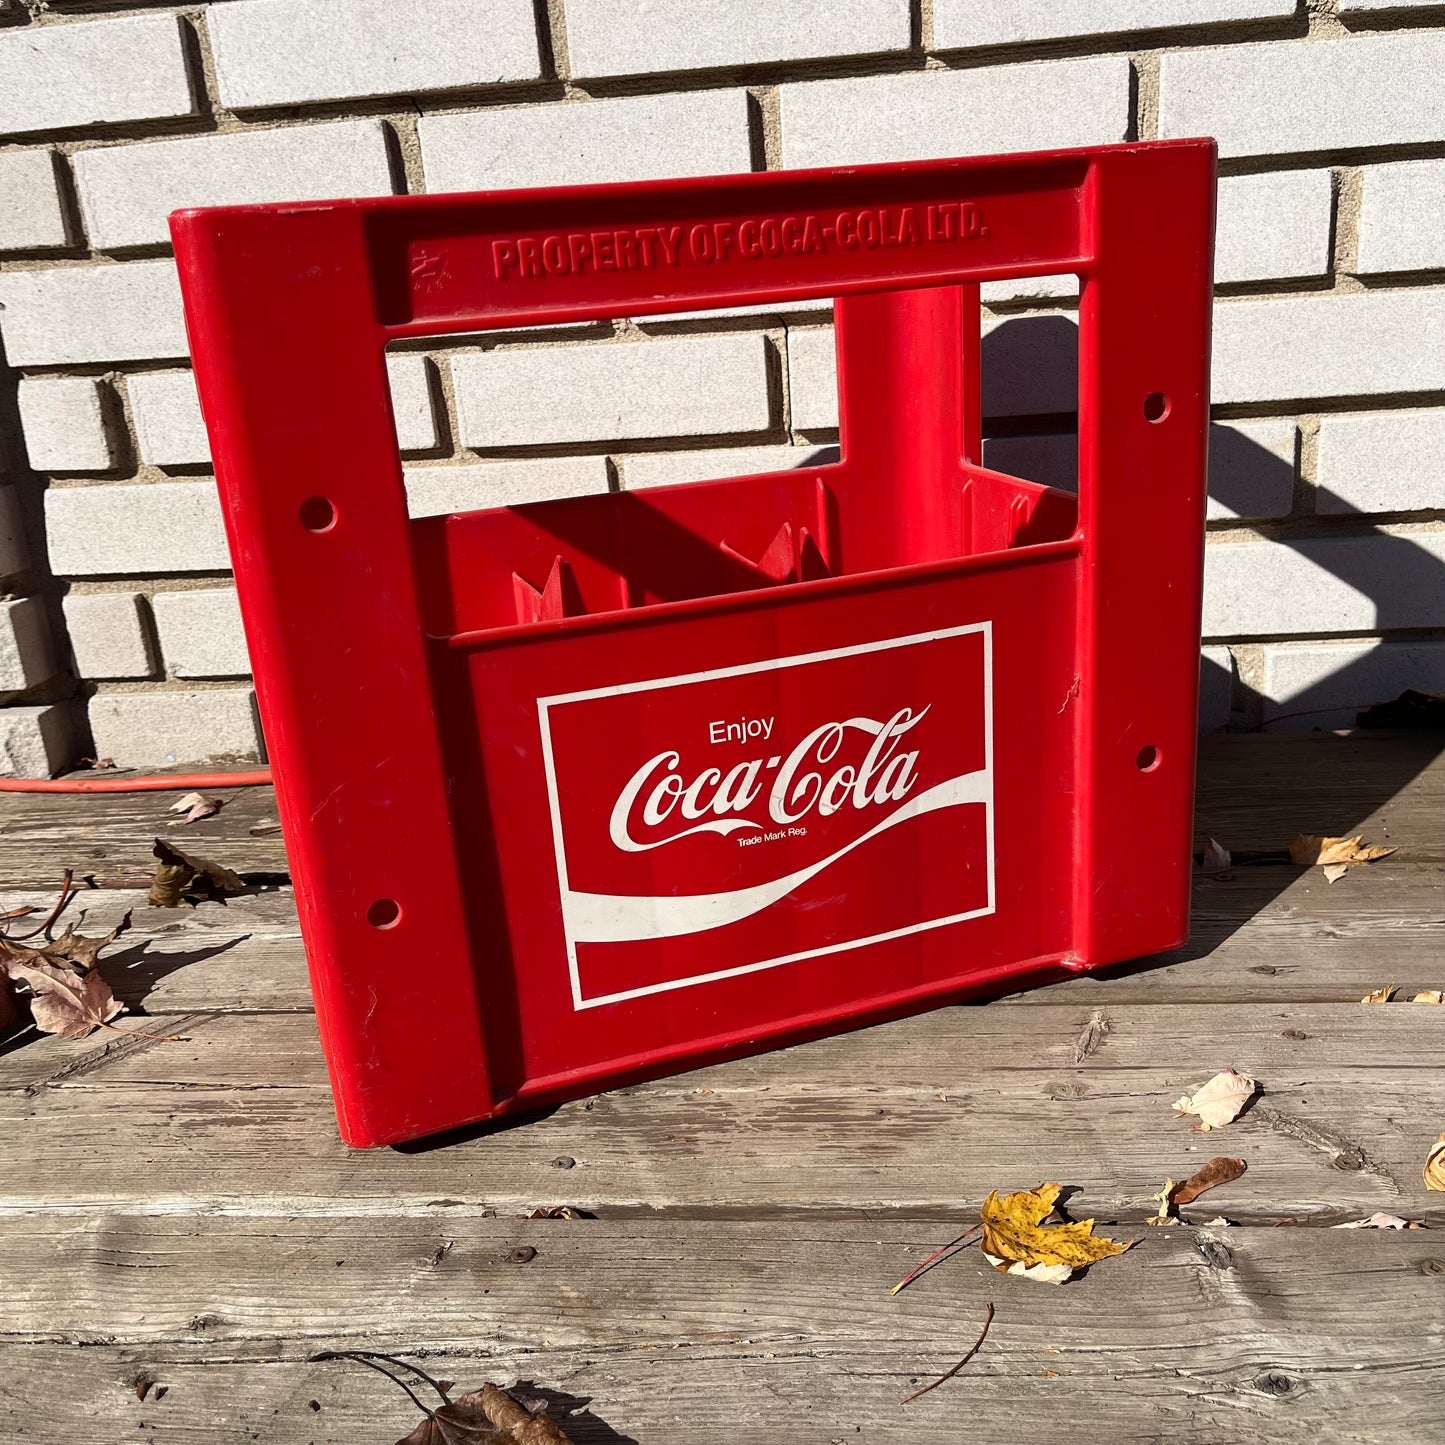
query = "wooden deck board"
{"x": 718, "y": 1332}
{"x": 185, "y": 1213}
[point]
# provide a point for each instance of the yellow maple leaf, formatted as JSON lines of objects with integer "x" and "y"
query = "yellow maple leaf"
{"x": 1014, "y": 1234}
{"x": 1310, "y": 848}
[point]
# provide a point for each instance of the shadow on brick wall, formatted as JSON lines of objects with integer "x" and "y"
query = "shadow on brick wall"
{"x": 66, "y": 732}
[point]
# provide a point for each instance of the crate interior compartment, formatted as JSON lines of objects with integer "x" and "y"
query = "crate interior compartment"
{"x": 506, "y": 567}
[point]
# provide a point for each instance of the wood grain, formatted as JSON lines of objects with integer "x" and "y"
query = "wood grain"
{"x": 717, "y": 1332}
{"x": 180, "y": 1228}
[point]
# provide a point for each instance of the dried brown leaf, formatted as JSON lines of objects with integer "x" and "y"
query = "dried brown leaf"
{"x": 182, "y": 878}
{"x": 63, "y": 1001}
{"x": 1381, "y": 995}
{"x": 1219, "y": 1101}
{"x": 489, "y": 1416}
{"x": 1309, "y": 849}
{"x": 1430, "y": 995}
{"x": 1018, "y": 1242}
{"x": 1435, "y": 1166}
{"x": 1381, "y": 1221}
{"x": 1334, "y": 871}
{"x": 1216, "y": 1172}
{"x": 193, "y": 807}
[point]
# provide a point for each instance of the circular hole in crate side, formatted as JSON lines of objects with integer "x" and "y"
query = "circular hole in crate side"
{"x": 384, "y": 913}
{"x": 317, "y": 514}
{"x": 1147, "y": 758}
{"x": 1156, "y": 406}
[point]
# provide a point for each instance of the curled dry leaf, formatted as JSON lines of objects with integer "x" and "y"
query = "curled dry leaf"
{"x": 1435, "y": 1166}
{"x": 182, "y": 878}
{"x": 1381, "y": 995}
{"x": 193, "y": 807}
{"x": 1381, "y": 1221}
{"x": 1166, "y": 1204}
{"x": 1017, "y": 1241}
{"x": 489, "y": 1416}
{"x": 1309, "y": 849}
{"x": 1334, "y": 871}
{"x": 1430, "y": 995}
{"x": 67, "y": 996}
{"x": 1216, "y": 855}
{"x": 1219, "y": 1101}
{"x": 62, "y": 1001}
{"x": 1216, "y": 1172}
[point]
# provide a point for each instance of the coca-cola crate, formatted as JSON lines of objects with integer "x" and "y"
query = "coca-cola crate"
{"x": 586, "y": 790}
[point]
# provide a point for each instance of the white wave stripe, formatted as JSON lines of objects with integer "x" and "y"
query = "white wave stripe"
{"x": 625, "y": 918}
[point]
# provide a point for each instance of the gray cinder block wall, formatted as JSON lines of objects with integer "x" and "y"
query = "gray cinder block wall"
{"x": 119, "y": 634}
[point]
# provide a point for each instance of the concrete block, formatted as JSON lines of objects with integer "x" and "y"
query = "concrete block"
{"x": 1384, "y": 461}
{"x": 619, "y": 37}
{"x": 63, "y": 419}
{"x": 1029, "y": 288}
{"x": 679, "y": 386}
{"x": 35, "y": 742}
{"x": 1030, "y": 365}
{"x": 109, "y": 635}
{"x": 127, "y": 192}
{"x": 1251, "y": 465}
{"x": 171, "y": 432}
{"x": 14, "y": 556}
{"x": 169, "y": 428}
{"x": 1354, "y": 7}
{"x": 1286, "y": 97}
{"x": 30, "y": 214}
{"x": 1298, "y": 347}
{"x": 1272, "y": 227}
{"x": 1400, "y": 218}
{"x": 161, "y": 729}
{"x": 94, "y": 72}
{"x": 813, "y": 379}
{"x": 934, "y": 113}
{"x": 1050, "y": 460}
{"x": 1331, "y": 683}
{"x": 200, "y": 633}
{"x": 961, "y": 23}
{"x": 662, "y": 469}
{"x": 638, "y": 138}
{"x": 411, "y": 402}
{"x": 1251, "y": 469}
{"x": 1338, "y": 584}
{"x": 436, "y": 491}
{"x": 275, "y": 52}
{"x": 27, "y": 655}
{"x": 69, "y": 314}
{"x": 1216, "y": 688}
{"x": 154, "y": 528}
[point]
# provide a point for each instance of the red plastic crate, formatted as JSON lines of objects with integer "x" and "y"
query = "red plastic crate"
{"x": 592, "y": 789}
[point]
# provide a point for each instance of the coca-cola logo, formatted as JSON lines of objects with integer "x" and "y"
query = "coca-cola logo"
{"x": 712, "y": 823}
{"x": 661, "y": 804}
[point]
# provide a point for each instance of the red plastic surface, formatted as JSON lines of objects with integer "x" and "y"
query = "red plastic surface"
{"x": 598, "y": 788}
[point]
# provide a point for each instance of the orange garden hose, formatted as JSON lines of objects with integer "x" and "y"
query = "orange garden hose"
{"x": 177, "y": 782}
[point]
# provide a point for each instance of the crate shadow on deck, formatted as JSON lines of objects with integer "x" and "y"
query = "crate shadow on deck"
{"x": 1030, "y": 370}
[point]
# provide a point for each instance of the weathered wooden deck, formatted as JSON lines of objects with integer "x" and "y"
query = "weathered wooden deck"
{"x": 180, "y": 1227}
